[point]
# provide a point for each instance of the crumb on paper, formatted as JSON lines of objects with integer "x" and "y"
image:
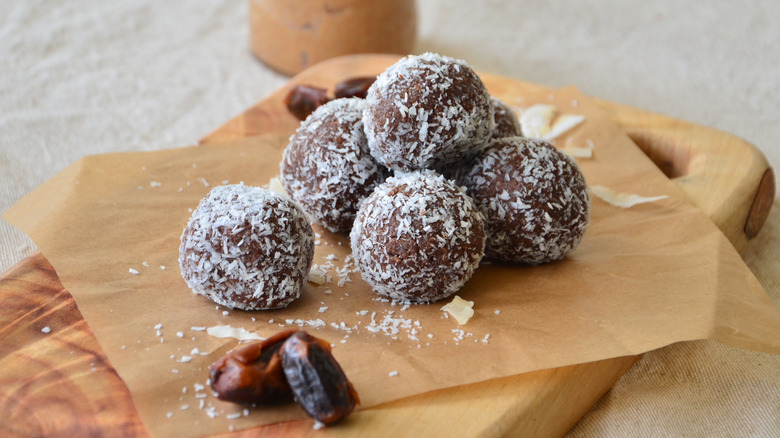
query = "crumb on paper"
{"x": 459, "y": 308}
{"x": 275, "y": 185}
{"x": 563, "y": 124}
{"x": 578, "y": 152}
{"x": 226, "y": 331}
{"x": 536, "y": 120}
{"x": 543, "y": 121}
{"x": 317, "y": 276}
{"x": 622, "y": 200}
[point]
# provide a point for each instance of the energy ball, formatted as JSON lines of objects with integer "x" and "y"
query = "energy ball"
{"x": 246, "y": 248}
{"x": 427, "y": 112}
{"x": 534, "y": 199}
{"x": 327, "y": 168}
{"x": 507, "y": 123}
{"x": 417, "y": 237}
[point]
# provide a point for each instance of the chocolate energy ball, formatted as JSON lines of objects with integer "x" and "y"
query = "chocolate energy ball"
{"x": 427, "y": 112}
{"x": 417, "y": 237}
{"x": 326, "y": 167}
{"x": 534, "y": 198}
{"x": 246, "y": 248}
{"x": 507, "y": 123}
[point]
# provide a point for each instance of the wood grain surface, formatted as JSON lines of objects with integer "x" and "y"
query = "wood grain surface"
{"x": 61, "y": 384}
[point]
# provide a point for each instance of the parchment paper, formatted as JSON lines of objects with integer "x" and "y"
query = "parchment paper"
{"x": 643, "y": 278}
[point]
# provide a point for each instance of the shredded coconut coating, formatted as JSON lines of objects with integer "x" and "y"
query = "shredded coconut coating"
{"x": 507, "y": 123}
{"x": 534, "y": 198}
{"x": 327, "y": 168}
{"x": 418, "y": 237}
{"x": 246, "y": 248}
{"x": 427, "y": 112}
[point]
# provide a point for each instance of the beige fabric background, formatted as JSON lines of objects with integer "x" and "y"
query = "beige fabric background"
{"x": 84, "y": 77}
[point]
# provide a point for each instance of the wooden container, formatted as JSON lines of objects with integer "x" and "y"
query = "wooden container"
{"x": 290, "y": 36}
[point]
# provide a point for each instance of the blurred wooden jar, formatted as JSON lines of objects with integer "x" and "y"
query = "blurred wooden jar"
{"x": 291, "y": 35}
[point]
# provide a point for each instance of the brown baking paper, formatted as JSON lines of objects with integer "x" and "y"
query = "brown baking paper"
{"x": 643, "y": 278}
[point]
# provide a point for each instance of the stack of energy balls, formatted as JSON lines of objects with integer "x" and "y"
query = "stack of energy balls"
{"x": 429, "y": 174}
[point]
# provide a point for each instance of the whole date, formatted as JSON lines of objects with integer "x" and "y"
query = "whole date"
{"x": 318, "y": 382}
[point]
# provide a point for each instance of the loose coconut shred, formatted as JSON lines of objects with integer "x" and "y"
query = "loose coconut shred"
{"x": 418, "y": 237}
{"x": 623, "y": 200}
{"x": 246, "y": 248}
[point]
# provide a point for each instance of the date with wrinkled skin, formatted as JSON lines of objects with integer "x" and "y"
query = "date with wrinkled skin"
{"x": 316, "y": 379}
{"x": 355, "y": 87}
{"x": 253, "y": 374}
{"x": 302, "y": 100}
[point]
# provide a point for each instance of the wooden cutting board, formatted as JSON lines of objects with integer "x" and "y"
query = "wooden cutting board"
{"x": 62, "y": 384}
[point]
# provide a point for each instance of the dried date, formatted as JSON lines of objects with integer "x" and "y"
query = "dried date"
{"x": 316, "y": 379}
{"x": 302, "y": 100}
{"x": 252, "y": 374}
{"x": 355, "y": 87}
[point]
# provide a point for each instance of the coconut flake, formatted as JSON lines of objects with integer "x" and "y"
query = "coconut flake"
{"x": 537, "y": 119}
{"x": 623, "y": 200}
{"x": 461, "y": 309}
{"x": 562, "y": 124}
{"x": 537, "y": 122}
{"x": 226, "y": 331}
{"x": 317, "y": 276}
{"x": 578, "y": 152}
{"x": 275, "y": 185}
